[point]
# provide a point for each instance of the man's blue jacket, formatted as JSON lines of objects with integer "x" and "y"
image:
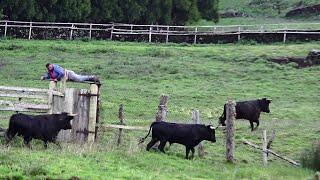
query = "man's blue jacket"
{"x": 57, "y": 73}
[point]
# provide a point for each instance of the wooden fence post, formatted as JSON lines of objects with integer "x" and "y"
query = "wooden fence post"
{"x": 196, "y": 120}
{"x": 264, "y": 148}
{"x": 230, "y": 116}
{"x": 71, "y": 31}
{"x": 162, "y": 108}
{"x": 5, "y": 29}
{"x": 121, "y": 118}
{"x": 285, "y": 34}
{"x": 30, "y": 30}
{"x": 150, "y": 34}
{"x": 111, "y": 33}
{"x": 167, "y": 35}
{"x": 195, "y": 36}
{"x": 63, "y": 84}
{"x": 90, "y": 30}
{"x": 52, "y": 87}
{"x": 93, "y": 112}
{"x": 239, "y": 33}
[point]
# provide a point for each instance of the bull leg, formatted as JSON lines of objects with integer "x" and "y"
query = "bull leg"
{"x": 151, "y": 143}
{"x": 27, "y": 140}
{"x": 162, "y": 145}
{"x": 187, "y": 152}
{"x": 192, "y": 150}
{"x": 251, "y": 124}
{"x": 257, "y": 121}
{"x": 45, "y": 144}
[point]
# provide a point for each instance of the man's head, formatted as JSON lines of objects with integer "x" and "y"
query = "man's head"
{"x": 49, "y": 66}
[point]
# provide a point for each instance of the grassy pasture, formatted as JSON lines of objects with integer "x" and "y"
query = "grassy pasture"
{"x": 195, "y": 77}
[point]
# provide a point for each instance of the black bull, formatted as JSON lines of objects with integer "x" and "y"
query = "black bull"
{"x": 189, "y": 135}
{"x": 249, "y": 110}
{"x": 43, "y": 127}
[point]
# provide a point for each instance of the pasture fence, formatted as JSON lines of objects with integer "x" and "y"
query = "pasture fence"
{"x": 161, "y": 33}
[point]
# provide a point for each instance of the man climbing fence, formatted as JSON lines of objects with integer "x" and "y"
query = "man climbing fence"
{"x": 57, "y": 73}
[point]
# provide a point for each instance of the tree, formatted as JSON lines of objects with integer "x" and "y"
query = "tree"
{"x": 72, "y": 10}
{"x": 184, "y": 11}
{"x": 209, "y": 9}
{"x": 103, "y": 11}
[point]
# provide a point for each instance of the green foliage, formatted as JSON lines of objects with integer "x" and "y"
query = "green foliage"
{"x": 310, "y": 158}
{"x": 209, "y": 9}
{"x": 103, "y": 11}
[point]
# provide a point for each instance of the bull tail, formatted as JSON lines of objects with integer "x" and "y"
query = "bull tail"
{"x": 142, "y": 139}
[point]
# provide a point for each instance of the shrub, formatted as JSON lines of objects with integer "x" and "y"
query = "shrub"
{"x": 310, "y": 158}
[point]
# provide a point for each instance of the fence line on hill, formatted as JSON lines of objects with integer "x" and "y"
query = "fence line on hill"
{"x": 113, "y": 30}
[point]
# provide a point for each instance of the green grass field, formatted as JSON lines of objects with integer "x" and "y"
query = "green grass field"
{"x": 195, "y": 77}
{"x": 260, "y": 15}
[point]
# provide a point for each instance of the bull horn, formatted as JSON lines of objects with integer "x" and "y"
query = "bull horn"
{"x": 269, "y": 99}
{"x": 70, "y": 114}
{"x": 211, "y": 127}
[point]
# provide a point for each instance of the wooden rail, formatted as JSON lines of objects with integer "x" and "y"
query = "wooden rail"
{"x": 163, "y": 30}
{"x": 12, "y": 99}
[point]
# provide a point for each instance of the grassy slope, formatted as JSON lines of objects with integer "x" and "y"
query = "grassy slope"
{"x": 259, "y": 15}
{"x": 201, "y": 77}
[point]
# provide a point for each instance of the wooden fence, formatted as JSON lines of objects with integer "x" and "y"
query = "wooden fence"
{"x": 83, "y": 102}
{"x": 156, "y": 33}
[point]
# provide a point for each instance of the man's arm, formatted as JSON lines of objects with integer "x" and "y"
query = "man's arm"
{"x": 46, "y": 76}
{"x": 60, "y": 71}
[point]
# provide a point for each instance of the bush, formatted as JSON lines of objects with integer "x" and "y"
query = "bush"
{"x": 310, "y": 158}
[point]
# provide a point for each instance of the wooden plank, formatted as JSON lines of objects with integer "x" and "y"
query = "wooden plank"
{"x": 116, "y": 126}
{"x": 24, "y": 96}
{"x": 80, "y": 122}
{"x": 68, "y": 103}
{"x": 93, "y": 112}
{"x": 23, "y": 109}
{"x": 272, "y": 152}
{"x": 23, "y": 89}
{"x": 24, "y": 105}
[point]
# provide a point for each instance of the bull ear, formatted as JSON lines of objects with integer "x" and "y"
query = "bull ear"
{"x": 269, "y": 100}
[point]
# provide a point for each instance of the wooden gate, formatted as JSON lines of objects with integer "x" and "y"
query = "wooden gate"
{"x": 83, "y": 102}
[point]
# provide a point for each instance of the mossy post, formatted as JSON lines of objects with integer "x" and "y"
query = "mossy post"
{"x": 162, "y": 108}
{"x": 230, "y": 116}
{"x": 196, "y": 120}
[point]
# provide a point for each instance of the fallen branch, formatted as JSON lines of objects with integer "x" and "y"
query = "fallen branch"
{"x": 272, "y": 152}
